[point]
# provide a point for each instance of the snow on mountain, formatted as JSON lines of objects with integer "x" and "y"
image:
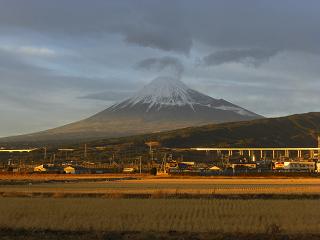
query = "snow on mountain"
{"x": 168, "y": 91}
{"x": 162, "y": 91}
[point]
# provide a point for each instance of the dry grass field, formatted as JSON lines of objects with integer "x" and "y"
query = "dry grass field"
{"x": 164, "y": 187}
{"x": 161, "y": 215}
{"x": 132, "y": 207}
{"x": 61, "y": 177}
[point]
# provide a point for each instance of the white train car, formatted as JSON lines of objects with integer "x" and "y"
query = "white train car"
{"x": 299, "y": 166}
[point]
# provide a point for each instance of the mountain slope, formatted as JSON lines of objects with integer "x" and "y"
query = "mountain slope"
{"x": 165, "y": 104}
{"x": 291, "y": 131}
{"x": 165, "y": 92}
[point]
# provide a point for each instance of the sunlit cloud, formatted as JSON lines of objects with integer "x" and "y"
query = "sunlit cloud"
{"x": 30, "y": 50}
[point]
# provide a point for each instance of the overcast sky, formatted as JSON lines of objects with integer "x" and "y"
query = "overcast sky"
{"x": 61, "y": 61}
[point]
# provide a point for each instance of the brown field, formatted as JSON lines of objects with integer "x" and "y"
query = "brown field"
{"x": 96, "y": 218}
{"x": 144, "y": 207}
{"x": 61, "y": 177}
{"x": 115, "y": 185}
{"x": 74, "y": 177}
{"x": 161, "y": 215}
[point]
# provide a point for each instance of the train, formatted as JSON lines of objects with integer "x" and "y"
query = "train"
{"x": 296, "y": 166}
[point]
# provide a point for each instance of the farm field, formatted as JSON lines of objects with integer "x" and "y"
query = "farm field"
{"x": 61, "y": 177}
{"x": 163, "y": 187}
{"x": 201, "y": 216}
{"x": 144, "y": 207}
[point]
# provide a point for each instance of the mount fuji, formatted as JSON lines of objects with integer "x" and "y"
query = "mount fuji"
{"x": 164, "y": 104}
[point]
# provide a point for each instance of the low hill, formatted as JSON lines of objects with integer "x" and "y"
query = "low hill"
{"x": 290, "y": 131}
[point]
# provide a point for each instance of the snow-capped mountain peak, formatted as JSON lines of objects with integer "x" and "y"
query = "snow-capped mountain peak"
{"x": 163, "y": 91}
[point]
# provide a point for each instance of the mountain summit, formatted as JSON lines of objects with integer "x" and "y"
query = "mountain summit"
{"x": 164, "y": 104}
{"x": 165, "y": 93}
{"x": 162, "y": 91}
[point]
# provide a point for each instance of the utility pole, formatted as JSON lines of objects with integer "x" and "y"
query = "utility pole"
{"x": 85, "y": 151}
{"x": 152, "y": 144}
{"x": 45, "y": 154}
{"x": 164, "y": 163}
{"x": 140, "y": 165}
{"x": 318, "y": 147}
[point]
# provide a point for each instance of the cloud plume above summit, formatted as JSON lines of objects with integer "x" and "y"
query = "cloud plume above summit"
{"x": 166, "y": 65}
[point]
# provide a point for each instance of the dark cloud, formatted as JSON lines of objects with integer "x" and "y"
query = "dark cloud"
{"x": 175, "y": 25}
{"x": 156, "y": 38}
{"x": 141, "y": 23}
{"x": 171, "y": 65}
{"x": 254, "y": 57}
